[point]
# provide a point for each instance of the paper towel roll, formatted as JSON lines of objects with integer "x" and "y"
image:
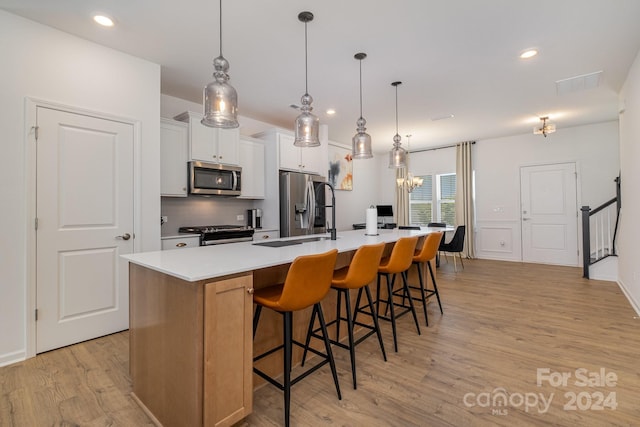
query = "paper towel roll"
{"x": 372, "y": 222}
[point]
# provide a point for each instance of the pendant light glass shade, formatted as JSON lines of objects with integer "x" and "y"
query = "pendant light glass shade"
{"x": 397, "y": 155}
{"x": 220, "y": 99}
{"x": 361, "y": 141}
{"x": 307, "y": 126}
{"x": 410, "y": 182}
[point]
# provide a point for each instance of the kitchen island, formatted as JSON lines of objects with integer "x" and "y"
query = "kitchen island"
{"x": 191, "y": 346}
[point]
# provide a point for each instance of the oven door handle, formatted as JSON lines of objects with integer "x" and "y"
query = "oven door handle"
{"x": 223, "y": 241}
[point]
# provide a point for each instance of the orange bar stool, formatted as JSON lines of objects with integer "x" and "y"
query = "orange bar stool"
{"x": 360, "y": 272}
{"x": 424, "y": 256}
{"x": 307, "y": 283}
{"x": 398, "y": 262}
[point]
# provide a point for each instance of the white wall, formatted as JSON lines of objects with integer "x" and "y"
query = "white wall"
{"x": 629, "y": 255}
{"x": 595, "y": 150}
{"x": 46, "y": 64}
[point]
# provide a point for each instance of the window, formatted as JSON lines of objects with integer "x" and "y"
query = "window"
{"x": 421, "y": 202}
{"x": 447, "y": 198}
{"x": 428, "y": 204}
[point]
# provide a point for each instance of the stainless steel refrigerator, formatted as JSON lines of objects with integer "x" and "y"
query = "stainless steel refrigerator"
{"x": 302, "y": 204}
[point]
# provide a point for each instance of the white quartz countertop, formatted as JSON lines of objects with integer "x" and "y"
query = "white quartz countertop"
{"x": 207, "y": 262}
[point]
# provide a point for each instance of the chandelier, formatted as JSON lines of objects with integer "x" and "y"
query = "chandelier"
{"x": 410, "y": 182}
{"x": 546, "y": 128}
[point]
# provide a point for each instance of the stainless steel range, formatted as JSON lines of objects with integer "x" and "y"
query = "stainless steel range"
{"x": 219, "y": 234}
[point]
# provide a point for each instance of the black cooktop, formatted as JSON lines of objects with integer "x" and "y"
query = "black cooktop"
{"x": 212, "y": 228}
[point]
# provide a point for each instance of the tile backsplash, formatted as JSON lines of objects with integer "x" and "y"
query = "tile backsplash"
{"x": 199, "y": 210}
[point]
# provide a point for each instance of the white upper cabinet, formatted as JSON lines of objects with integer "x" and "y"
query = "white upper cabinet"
{"x": 252, "y": 161}
{"x": 213, "y": 145}
{"x": 174, "y": 152}
{"x": 307, "y": 159}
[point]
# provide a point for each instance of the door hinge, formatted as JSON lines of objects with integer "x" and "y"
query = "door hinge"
{"x": 35, "y": 131}
{"x": 36, "y": 314}
{"x": 35, "y": 223}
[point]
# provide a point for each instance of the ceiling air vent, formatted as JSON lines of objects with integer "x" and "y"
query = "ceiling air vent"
{"x": 578, "y": 83}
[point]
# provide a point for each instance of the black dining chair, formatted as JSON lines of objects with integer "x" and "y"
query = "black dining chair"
{"x": 438, "y": 225}
{"x": 408, "y": 227}
{"x": 456, "y": 245}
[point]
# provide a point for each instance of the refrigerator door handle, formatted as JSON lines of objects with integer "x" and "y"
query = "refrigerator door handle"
{"x": 312, "y": 206}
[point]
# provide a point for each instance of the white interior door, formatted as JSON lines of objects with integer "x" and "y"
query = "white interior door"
{"x": 84, "y": 205}
{"x": 549, "y": 214}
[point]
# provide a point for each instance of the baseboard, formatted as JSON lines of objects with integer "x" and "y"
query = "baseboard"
{"x": 634, "y": 304}
{"x": 11, "y": 358}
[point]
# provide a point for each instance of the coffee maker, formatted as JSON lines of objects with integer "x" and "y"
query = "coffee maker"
{"x": 254, "y": 218}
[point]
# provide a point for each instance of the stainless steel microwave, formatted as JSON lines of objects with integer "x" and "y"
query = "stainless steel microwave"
{"x": 213, "y": 178}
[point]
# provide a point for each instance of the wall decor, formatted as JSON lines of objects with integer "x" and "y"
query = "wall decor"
{"x": 340, "y": 173}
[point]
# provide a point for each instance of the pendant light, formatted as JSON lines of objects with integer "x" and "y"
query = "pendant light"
{"x": 361, "y": 148}
{"x": 397, "y": 155}
{"x": 307, "y": 125}
{"x": 411, "y": 181}
{"x": 220, "y": 98}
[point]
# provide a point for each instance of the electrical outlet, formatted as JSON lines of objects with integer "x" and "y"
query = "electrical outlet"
{"x": 240, "y": 217}
{"x": 164, "y": 219}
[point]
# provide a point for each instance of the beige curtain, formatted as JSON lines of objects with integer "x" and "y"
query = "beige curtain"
{"x": 402, "y": 199}
{"x": 464, "y": 195}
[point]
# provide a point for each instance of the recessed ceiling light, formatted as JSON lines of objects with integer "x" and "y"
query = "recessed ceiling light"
{"x": 442, "y": 117}
{"x": 103, "y": 20}
{"x": 529, "y": 53}
{"x": 331, "y": 111}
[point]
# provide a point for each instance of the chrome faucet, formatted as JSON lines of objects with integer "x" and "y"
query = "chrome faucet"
{"x": 332, "y": 230}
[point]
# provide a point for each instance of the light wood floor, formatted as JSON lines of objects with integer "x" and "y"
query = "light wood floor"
{"x": 502, "y": 322}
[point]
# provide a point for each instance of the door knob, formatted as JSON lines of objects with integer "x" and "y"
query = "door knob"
{"x": 125, "y": 236}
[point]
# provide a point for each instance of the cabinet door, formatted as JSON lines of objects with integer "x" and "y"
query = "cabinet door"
{"x": 313, "y": 161}
{"x": 289, "y": 154}
{"x": 208, "y": 144}
{"x": 201, "y": 141}
{"x": 252, "y": 163}
{"x": 228, "y": 351}
{"x": 226, "y": 142}
{"x": 174, "y": 152}
{"x": 180, "y": 242}
{"x": 265, "y": 235}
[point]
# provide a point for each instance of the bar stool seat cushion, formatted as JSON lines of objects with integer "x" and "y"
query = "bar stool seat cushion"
{"x": 269, "y": 297}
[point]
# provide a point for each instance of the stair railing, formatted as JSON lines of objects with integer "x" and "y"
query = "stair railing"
{"x": 599, "y": 232}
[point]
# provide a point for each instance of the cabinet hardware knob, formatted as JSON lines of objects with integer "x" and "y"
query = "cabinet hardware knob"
{"x": 181, "y": 245}
{"x": 266, "y": 236}
{"x": 250, "y": 291}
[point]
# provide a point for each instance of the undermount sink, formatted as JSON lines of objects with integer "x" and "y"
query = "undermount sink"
{"x": 313, "y": 239}
{"x": 281, "y": 243}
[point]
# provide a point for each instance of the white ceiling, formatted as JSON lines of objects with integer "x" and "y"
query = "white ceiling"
{"x": 455, "y": 57}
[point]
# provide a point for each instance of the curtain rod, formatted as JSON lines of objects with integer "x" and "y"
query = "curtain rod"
{"x": 443, "y": 146}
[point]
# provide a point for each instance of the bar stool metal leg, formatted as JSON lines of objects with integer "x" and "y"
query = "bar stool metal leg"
{"x": 435, "y": 287}
{"x": 376, "y": 324}
{"x": 288, "y": 337}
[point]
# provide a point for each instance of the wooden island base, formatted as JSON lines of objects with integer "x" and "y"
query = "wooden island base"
{"x": 191, "y": 347}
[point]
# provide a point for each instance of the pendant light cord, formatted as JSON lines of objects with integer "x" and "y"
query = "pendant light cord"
{"x": 361, "y": 88}
{"x": 306, "y": 72}
{"x": 396, "y": 109}
{"x": 220, "y": 27}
